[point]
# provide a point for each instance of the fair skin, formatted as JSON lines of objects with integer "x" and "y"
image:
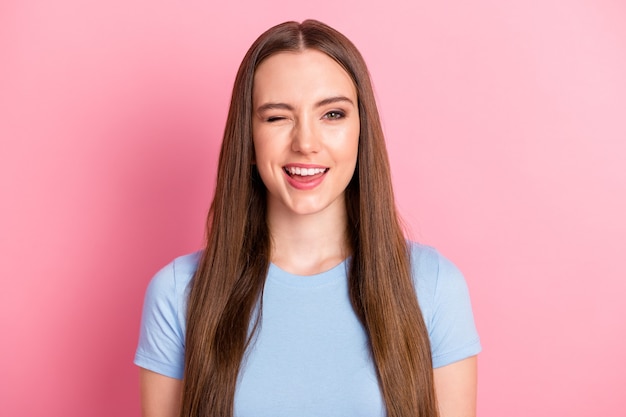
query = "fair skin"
{"x": 305, "y": 117}
{"x": 160, "y": 395}
{"x": 455, "y": 387}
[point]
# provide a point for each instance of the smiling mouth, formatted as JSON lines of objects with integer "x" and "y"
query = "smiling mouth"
{"x": 304, "y": 172}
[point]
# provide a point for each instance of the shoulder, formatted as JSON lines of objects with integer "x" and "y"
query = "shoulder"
{"x": 162, "y": 333}
{"x": 175, "y": 277}
{"x": 432, "y": 271}
{"x": 444, "y": 299}
{"x": 437, "y": 280}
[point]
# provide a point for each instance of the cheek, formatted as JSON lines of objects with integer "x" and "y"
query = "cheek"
{"x": 263, "y": 162}
{"x": 260, "y": 149}
{"x": 268, "y": 144}
{"x": 266, "y": 177}
{"x": 352, "y": 143}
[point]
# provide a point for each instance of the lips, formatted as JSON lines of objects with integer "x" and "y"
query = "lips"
{"x": 305, "y": 177}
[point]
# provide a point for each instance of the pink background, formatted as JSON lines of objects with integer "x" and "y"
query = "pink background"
{"x": 506, "y": 124}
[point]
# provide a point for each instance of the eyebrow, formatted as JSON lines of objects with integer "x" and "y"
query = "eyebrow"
{"x": 285, "y": 106}
{"x": 331, "y": 100}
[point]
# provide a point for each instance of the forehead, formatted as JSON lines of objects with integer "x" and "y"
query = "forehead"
{"x": 300, "y": 76}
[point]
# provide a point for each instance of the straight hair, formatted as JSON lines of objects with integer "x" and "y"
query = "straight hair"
{"x": 228, "y": 284}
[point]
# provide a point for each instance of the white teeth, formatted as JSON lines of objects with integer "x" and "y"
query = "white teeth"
{"x": 304, "y": 172}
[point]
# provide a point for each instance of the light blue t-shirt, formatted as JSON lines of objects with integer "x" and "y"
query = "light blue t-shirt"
{"x": 310, "y": 356}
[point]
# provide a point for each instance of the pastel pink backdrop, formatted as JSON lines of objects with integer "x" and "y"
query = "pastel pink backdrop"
{"x": 506, "y": 124}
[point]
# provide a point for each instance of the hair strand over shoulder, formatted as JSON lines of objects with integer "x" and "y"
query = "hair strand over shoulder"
{"x": 228, "y": 284}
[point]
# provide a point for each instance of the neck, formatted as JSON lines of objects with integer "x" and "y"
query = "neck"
{"x": 308, "y": 244}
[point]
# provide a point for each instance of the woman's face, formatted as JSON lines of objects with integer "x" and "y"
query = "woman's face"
{"x": 305, "y": 128}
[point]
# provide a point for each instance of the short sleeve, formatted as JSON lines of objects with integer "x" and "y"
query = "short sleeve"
{"x": 161, "y": 346}
{"x": 446, "y": 307}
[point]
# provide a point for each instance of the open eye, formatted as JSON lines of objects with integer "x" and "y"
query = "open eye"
{"x": 334, "y": 115}
{"x": 274, "y": 119}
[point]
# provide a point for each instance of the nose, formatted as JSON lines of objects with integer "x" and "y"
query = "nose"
{"x": 305, "y": 138}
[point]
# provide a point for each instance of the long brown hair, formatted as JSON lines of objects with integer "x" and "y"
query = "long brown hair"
{"x": 229, "y": 281}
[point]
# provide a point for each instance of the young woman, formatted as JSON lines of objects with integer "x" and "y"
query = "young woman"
{"x": 307, "y": 300}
